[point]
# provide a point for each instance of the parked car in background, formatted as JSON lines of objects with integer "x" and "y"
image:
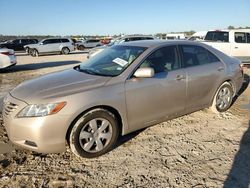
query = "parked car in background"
{"x": 119, "y": 40}
{"x": 18, "y": 44}
{"x": 51, "y": 45}
{"x": 174, "y": 36}
{"x": 198, "y": 36}
{"x": 234, "y": 43}
{"x": 90, "y": 43}
{"x": 7, "y": 58}
{"x": 127, "y": 87}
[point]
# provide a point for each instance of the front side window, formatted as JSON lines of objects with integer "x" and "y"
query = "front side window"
{"x": 217, "y": 36}
{"x": 49, "y": 41}
{"x": 240, "y": 37}
{"x": 197, "y": 55}
{"x": 163, "y": 60}
{"x": 111, "y": 61}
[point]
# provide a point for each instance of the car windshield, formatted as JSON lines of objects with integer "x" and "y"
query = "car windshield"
{"x": 111, "y": 61}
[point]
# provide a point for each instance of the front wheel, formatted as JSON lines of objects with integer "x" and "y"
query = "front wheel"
{"x": 223, "y": 98}
{"x": 94, "y": 134}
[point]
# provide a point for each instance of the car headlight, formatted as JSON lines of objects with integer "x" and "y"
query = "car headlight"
{"x": 39, "y": 110}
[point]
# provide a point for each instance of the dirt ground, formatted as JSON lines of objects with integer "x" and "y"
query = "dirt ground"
{"x": 201, "y": 149}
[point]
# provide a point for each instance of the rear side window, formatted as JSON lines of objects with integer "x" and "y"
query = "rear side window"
{"x": 240, "y": 37}
{"x": 56, "y": 41}
{"x": 65, "y": 40}
{"x": 163, "y": 60}
{"x": 197, "y": 55}
{"x": 217, "y": 36}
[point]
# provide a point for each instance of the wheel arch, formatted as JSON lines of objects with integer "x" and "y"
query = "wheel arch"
{"x": 106, "y": 107}
{"x": 230, "y": 81}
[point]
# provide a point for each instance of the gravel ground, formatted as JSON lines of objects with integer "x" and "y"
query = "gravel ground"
{"x": 201, "y": 149}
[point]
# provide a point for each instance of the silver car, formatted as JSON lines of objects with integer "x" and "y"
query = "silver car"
{"x": 51, "y": 45}
{"x": 123, "y": 89}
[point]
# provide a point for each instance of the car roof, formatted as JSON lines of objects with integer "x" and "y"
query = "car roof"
{"x": 155, "y": 43}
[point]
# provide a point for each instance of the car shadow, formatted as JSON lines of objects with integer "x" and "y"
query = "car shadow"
{"x": 37, "y": 66}
{"x": 243, "y": 87}
{"x": 123, "y": 139}
{"x": 239, "y": 175}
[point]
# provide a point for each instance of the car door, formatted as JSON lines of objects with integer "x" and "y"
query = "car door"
{"x": 204, "y": 74}
{"x": 45, "y": 46}
{"x": 150, "y": 100}
{"x": 241, "y": 44}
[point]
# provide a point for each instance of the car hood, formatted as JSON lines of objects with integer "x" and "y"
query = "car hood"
{"x": 55, "y": 85}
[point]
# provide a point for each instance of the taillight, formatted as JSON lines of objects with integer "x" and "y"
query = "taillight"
{"x": 241, "y": 67}
{"x": 5, "y": 53}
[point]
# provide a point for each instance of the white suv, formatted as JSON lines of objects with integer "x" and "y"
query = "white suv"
{"x": 90, "y": 43}
{"x": 52, "y": 45}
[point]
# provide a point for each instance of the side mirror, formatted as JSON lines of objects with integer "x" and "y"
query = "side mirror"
{"x": 145, "y": 72}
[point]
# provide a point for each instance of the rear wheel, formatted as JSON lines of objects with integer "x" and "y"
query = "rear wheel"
{"x": 65, "y": 50}
{"x": 81, "y": 47}
{"x": 94, "y": 134}
{"x": 223, "y": 98}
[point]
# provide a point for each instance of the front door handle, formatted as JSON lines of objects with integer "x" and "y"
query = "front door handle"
{"x": 220, "y": 69}
{"x": 180, "y": 77}
{"x": 236, "y": 47}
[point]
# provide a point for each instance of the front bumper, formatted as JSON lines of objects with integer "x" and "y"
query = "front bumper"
{"x": 40, "y": 134}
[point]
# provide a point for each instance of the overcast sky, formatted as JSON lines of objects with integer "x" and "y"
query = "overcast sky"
{"x": 108, "y": 17}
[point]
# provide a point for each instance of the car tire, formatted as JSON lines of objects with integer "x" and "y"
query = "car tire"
{"x": 27, "y": 50}
{"x": 94, "y": 133}
{"x": 81, "y": 47}
{"x": 34, "y": 53}
{"x": 223, "y": 98}
{"x": 65, "y": 51}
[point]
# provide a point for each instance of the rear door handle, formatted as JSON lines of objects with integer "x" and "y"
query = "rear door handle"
{"x": 180, "y": 77}
{"x": 220, "y": 69}
{"x": 236, "y": 47}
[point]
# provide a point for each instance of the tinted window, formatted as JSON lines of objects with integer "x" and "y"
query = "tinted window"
{"x": 56, "y": 41}
{"x": 49, "y": 41}
{"x": 217, "y": 36}
{"x": 93, "y": 41}
{"x": 248, "y": 37}
{"x": 16, "y": 41}
{"x": 64, "y": 40}
{"x": 24, "y": 41}
{"x": 196, "y": 55}
{"x": 163, "y": 60}
{"x": 240, "y": 37}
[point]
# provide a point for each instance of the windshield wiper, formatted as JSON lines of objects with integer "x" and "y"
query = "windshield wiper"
{"x": 89, "y": 71}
